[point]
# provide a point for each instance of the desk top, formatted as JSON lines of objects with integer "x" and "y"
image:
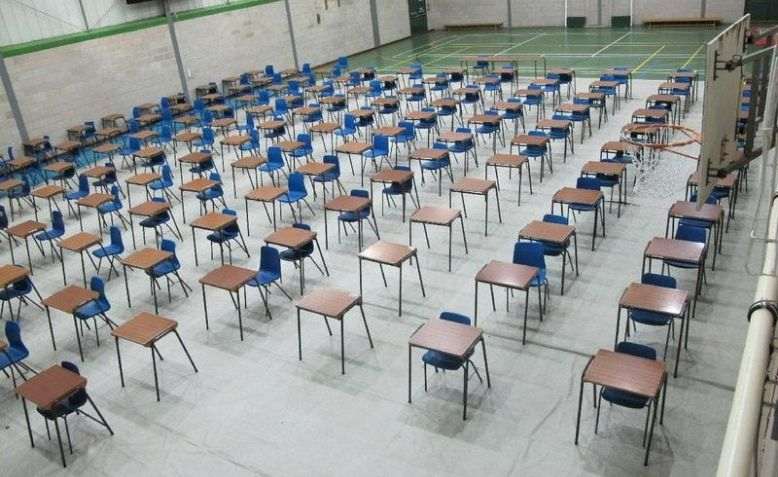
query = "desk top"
{"x": 146, "y": 258}
{"x": 236, "y": 140}
{"x": 50, "y": 386}
{"x": 95, "y": 199}
{"x": 573, "y": 108}
{"x": 324, "y": 128}
{"x": 508, "y": 105}
{"x": 272, "y": 124}
{"x": 11, "y": 274}
{"x": 48, "y": 191}
{"x": 389, "y": 131}
{"x": 428, "y": 154}
{"x": 197, "y": 185}
{"x": 651, "y": 113}
{"x": 452, "y": 136}
{"x": 348, "y": 203}
{"x": 188, "y": 136}
{"x": 673, "y": 249}
{"x": 70, "y": 298}
{"x": 386, "y": 252}
{"x": 547, "y": 232}
{"x": 150, "y": 208}
{"x": 484, "y": 119}
{"x": 529, "y": 140}
{"x": 688, "y": 210}
{"x": 669, "y": 301}
{"x": 392, "y": 175}
{"x": 59, "y": 167}
{"x": 420, "y": 115}
{"x": 291, "y": 237}
{"x": 619, "y": 146}
{"x": 25, "y": 229}
{"x": 629, "y": 373}
{"x": 435, "y": 215}
{"x": 511, "y": 275}
{"x": 98, "y": 171}
{"x": 472, "y": 185}
{"x": 195, "y": 157}
{"x": 572, "y": 195}
{"x": 353, "y": 147}
{"x": 330, "y": 302}
{"x": 228, "y": 277}
{"x": 80, "y": 241}
{"x": 143, "y": 179}
{"x": 553, "y": 124}
{"x": 266, "y": 193}
{"x": 248, "y": 162}
{"x": 144, "y": 329}
{"x": 506, "y": 160}
{"x": 213, "y": 221}
{"x": 447, "y": 337}
{"x": 315, "y": 168}
{"x": 445, "y": 102}
{"x": 607, "y": 168}
{"x": 149, "y": 152}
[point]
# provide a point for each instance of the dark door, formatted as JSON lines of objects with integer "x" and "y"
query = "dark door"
{"x": 762, "y": 10}
{"x": 417, "y": 11}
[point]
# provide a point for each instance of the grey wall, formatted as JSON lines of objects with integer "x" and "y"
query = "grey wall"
{"x": 451, "y": 12}
{"x": 393, "y": 21}
{"x": 527, "y": 13}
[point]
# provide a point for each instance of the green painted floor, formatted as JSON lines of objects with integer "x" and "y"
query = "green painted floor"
{"x": 653, "y": 52}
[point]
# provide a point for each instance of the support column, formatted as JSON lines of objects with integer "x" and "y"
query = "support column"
{"x": 9, "y": 92}
{"x": 510, "y": 14}
{"x": 599, "y": 12}
{"x": 291, "y": 34}
{"x": 83, "y": 14}
{"x": 703, "y": 8}
{"x": 176, "y": 50}
{"x": 374, "y": 18}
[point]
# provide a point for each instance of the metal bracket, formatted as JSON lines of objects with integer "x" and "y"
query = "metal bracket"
{"x": 770, "y": 305}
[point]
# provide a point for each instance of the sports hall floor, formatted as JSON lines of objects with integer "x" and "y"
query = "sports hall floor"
{"x": 254, "y": 409}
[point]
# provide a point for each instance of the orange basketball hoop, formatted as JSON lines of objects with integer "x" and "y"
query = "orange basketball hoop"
{"x": 657, "y": 137}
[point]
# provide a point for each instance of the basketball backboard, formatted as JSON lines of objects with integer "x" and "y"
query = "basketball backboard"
{"x": 721, "y": 102}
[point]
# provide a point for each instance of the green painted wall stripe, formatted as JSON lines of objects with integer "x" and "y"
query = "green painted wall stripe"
{"x": 62, "y": 40}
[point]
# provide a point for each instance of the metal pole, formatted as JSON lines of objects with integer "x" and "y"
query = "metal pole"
{"x": 83, "y": 14}
{"x": 12, "y": 102}
{"x": 510, "y": 14}
{"x": 291, "y": 33}
{"x": 176, "y": 50}
{"x": 374, "y": 18}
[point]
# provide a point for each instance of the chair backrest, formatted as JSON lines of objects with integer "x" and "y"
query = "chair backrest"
{"x": 83, "y": 184}
{"x": 307, "y": 249}
{"x": 165, "y": 132}
{"x": 208, "y": 136}
{"x": 349, "y": 121}
{"x": 269, "y": 260}
{"x": 529, "y": 253}
{"x": 331, "y": 159}
{"x": 281, "y": 105}
{"x": 691, "y": 233}
{"x": 297, "y": 182}
{"x": 116, "y": 238}
{"x": 455, "y": 317}
{"x": 134, "y": 143}
{"x": 305, "y": 139}
{"x": 168, "y": 245}
{"x": 556, "y": 219}
{"x": 634, "y": 349}
{"x": 96, "y": 284}
{"x": 56, "y": 221}
{"x": 78, "y": 398}
{"x": 381, "y": 143}
{"x": 590, "y": 183}
{"x": 3, "y": 218}
{"x": 167, "y": 175}
{"x": 275, "y": 155}
{"x": 14, "y": 336}
{"x": 359, "y": 193}
{"x": 115, "y": 193}
{"x": 269, "y": 70}
{"x": 658, "y": 280}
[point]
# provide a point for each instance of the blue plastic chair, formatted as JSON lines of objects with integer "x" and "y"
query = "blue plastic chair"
{"x": 18, "y": 290}
{"x": 407, "y": 137}
{"x": 212, "y": 194}
{"x": 380, "y": 151}
{"x": 651, "y": 318}
{"x": 466, "y": 147}
{"x": 439, "y": 360}
{"x": 113, "y": 208}
{"x": 305, "y": 151}
{"x": 165, "y": 183}
{"x": 109, "y": 252}
{"x": 275, "y": 162}
{"x": 364, "y": 214}
{"x": 22, "y": 192}
{"x": 80, "y": 193}
{"x": 349, "y": 127}
{"x": 171, "y": 266}
{"x": 227, "y": 235}
{"x": 332, "y": 176}
{"x": 13, "y": 356}
{"x": 398, "y": 188}
{"x": 268, "y": 273}
{"x": 56, "y": 231}
{"x": 93, "y": 309}
{"x": 532, "y": 254}
{"x": 157, "y": 221}
{"x": 690, "y": 233}
{"x": 624, "y": 398}
{"x": 438, "y": 165}
{"x": 296, "y": 194}
{"x": 298, "y": 255}
{"x": 207, "y": 139}
{"x": 589, "y": 183}
{"x": 313, "y": 118}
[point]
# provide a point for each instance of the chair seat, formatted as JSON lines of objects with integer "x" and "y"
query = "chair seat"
{"x": 433, "y": 165}
{"x": 263, "y": 278}
{"x": 164, "y": 268}
{"x": 696, "y": 223}
{"x": 108, "y": 208}
{"x": 540, "y": 278}
{"x": 345, "y": 132}
{"x": 650, "y": 318}
{"x": 326, "y": 177}
{"x": 222, "y": 236}
{"x": 107, "y": 251}
{"x": 441, "y": 360}
{"x": 292, "y": 255}
{"x": 354, "y": 216}
{"x": 301, "y": 152}
{"x": 673, "y": 263}
{"x": 152, "y": 222}
{"x": 49, "y": 235}
{"x": 373, "y": 153}
{"x": 582, "y": 207}
{"x": 292, "y": 197}
{"x": 624, "y": 398}
{"x": 209, "y": 194}
{"x": 271, "y": 166}
{"x": 160, "y": 185}
{"x": 11, "y": 293}
{"x": 552, "y": 249}
{"x": 75, "y": 195}
{"x": 12, "y": 355}
{"x": 93, "y": 308}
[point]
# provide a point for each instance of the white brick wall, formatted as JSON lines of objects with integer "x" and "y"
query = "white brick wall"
{"x": 529, "y": 13}
{"x": 646, "y": 9}
{"x": 393, "y": 23}
{"x": 729, "y": 10}
{"x": 584, "y": 8}
{"x": 63, "y": 86}
{"x": 217, "y": 46}
{"x": 343, "y": 30}
{"x": 457, "y": 12}
{"x": 8, "y": 132}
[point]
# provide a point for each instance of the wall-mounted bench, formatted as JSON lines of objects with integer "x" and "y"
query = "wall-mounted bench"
{"x": 707, "y": 21}
{"x": 467, "y": 26}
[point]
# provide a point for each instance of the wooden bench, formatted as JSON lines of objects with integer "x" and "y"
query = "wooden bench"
{"x": 467, "y": 26}
{"x": 714, "y": 21}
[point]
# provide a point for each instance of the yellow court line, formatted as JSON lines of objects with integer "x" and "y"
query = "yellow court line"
{"x": 649, "y": 58}
{"x": 693, "y": 56}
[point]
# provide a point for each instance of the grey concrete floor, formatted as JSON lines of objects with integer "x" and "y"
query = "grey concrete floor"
{"x": 255, "y": 409}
